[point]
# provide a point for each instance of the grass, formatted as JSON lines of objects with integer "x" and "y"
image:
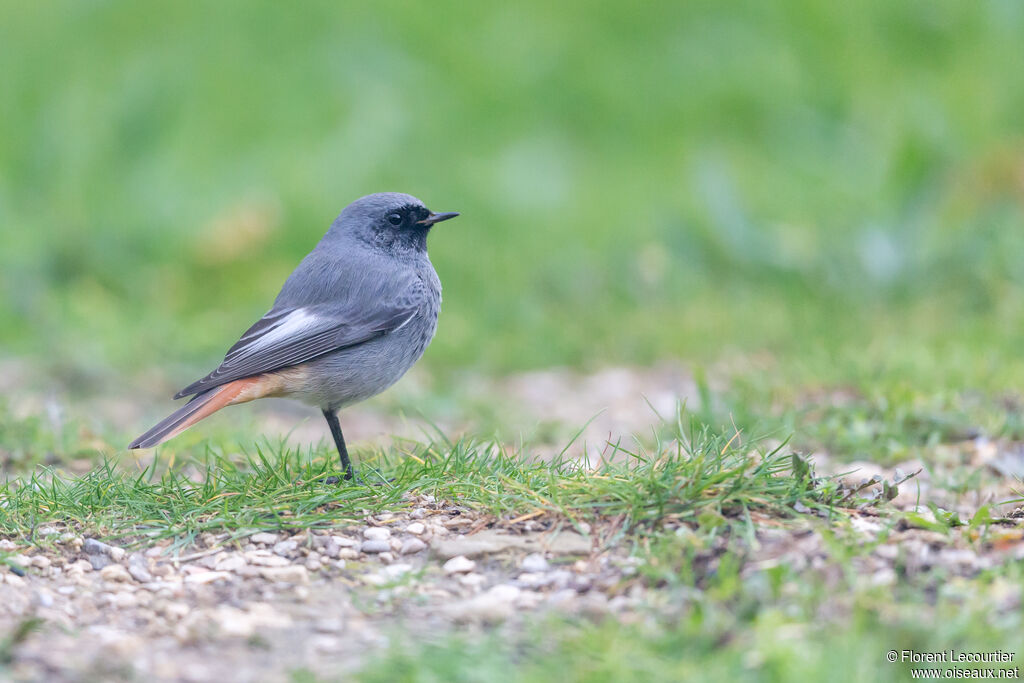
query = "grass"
{"x": 700, "y": 478}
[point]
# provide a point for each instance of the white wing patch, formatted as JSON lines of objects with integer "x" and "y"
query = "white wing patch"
{"x": 289, "y": 327}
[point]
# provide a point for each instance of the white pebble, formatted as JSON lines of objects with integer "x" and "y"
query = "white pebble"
{"x": 345, "y": 541}
{"x": 459, "y": 565}
{"x": 412, "y": 545}
{"x": 201, "y": 578}
{"x": 264, "y": 537}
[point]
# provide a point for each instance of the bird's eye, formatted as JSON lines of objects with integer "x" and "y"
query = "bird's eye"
{"x": 395, "y": 219}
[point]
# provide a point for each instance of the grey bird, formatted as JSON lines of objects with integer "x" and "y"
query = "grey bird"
{"x": 352, "y": 318}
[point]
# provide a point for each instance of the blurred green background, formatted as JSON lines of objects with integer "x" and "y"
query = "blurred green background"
{"x": 838, "y": 187}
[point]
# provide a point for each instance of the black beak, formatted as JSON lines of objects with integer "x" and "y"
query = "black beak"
{"x": 437, "y": 218}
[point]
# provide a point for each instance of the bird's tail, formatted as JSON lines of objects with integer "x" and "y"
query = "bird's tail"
{"x": 200, "y": 406}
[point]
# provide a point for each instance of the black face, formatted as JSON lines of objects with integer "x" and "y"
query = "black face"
{"x": 408, "y": 218}
{"x": 407, "y": 226}
{"x": 398, "y": 229}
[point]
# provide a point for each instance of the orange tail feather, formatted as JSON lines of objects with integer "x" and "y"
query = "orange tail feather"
{"x": 205, "y": 404}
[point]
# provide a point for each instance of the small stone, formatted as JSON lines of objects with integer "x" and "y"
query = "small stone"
{"x": 161, "y": 570}
{"x": 291, "y": 574}
{"x": 91, "y": 546}
{"x": 416, "y": 528}
{"x": 14, "y": 580}
{"x": 285, "y": 548}
{"x": 459, "y": 565}
{"x": 7, "y": 545}
{"x": 418, "y": 513}
{"x": 412, "y": 545}
{"x": 376, "y": 533}
{"x": 534, "y": 563}
{"x": 98, "y": 561}
{"x": 209, "y": 561}
{"x": 386, "y": 557}
{"x": 40, "y": 561}
{"x": 347, "y": 554}
{"x": 264, "y": 537}
{"x": 345, "y": 541}
{"x": 80, "y": 567}
{"x": 201, "y": 578}
{"x": 231, "y": 563}
{"x": 139, "y": 573}
{"x": 313, "y": 564}
{"x": 264, "y": 559}
{"x": 376, "y": 546}
{"x": 115, "y": 572}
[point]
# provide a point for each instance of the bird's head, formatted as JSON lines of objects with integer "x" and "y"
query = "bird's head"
{"x": 389, "y": 220}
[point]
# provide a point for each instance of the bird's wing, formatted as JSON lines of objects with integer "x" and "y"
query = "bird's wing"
{"x": 291, "y": 335}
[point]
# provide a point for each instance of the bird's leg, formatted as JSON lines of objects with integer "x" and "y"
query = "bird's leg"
{"x": 339, "y": 441}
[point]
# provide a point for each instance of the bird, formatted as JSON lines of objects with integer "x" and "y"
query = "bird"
{"x": 356, "y": 313}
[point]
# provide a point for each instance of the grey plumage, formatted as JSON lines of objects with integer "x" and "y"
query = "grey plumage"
{"x": 352, "y": 318}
